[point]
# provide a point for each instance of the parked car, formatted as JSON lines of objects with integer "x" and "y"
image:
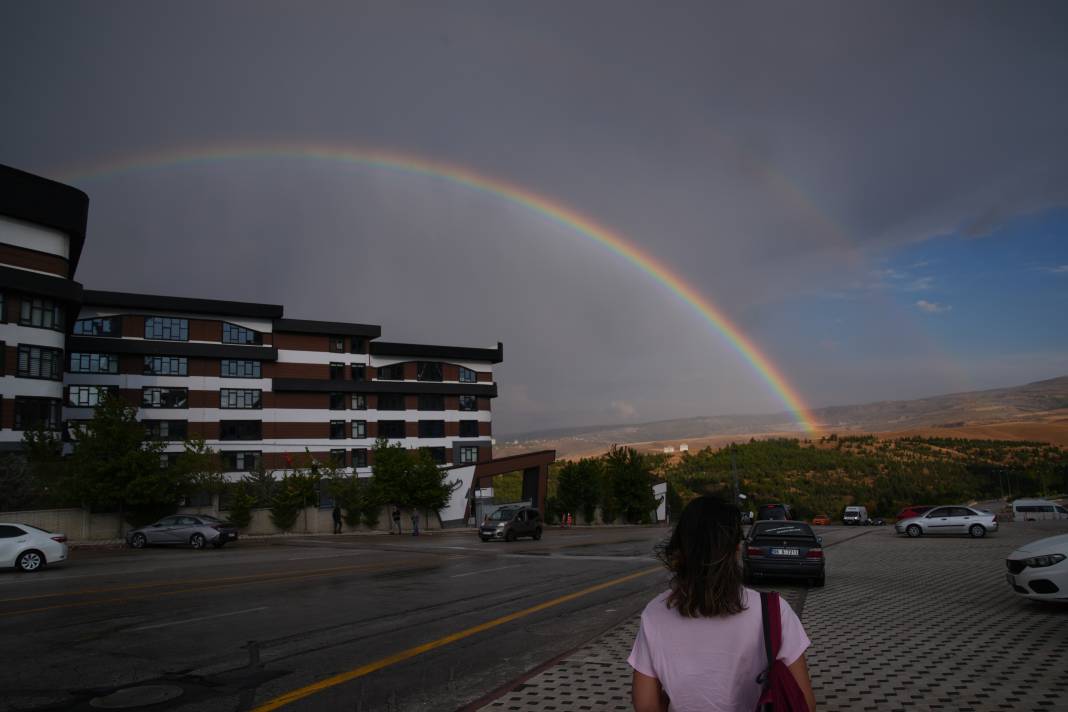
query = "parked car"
{"x": 855, "y": 516}
{"x": 821, "y": 520}
{"x": 196, "y": 530}
{"x": 913, "y": 511}
{"x": 774, "y": 512}
{"x": 950, "y": 520}
{"x": 1039, "y": 570}
{"x": 1030, "y": 510}
{"x": 29, "y": 548}
{"x": 509, "y": 523}
{"x": 783, "y": 549}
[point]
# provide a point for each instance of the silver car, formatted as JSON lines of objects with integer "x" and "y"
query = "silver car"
{"x": 196, "y": 530}
{"x": 956, "y": 519}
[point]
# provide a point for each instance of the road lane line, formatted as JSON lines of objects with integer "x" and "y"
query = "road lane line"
{"x": 341, "y": 678}
{"x": 195, "y": 620}
{"x": 482, "y": 571}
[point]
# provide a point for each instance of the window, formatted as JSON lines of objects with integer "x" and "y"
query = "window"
{"x": 234, "y": 334}
{"x": 155, "y": 397}
{"x": 394, "y": 372}
{"x": 167, "y": 459}
{"x": 37, "y": 412}
{"x": 239, "y": 368}
{"x": 359, "y": 401}
{"x": 468, "y": 455}
{"x": 240, "y": 430}
{"x": 941, "y": 512}
{"x": 431, "y": 428}
{"x": 468, "y": 376}
{"x": 166, "y": 366}
{"x": 240, "y": 460}
{"x": 358, "y": 345}
{"x": 428, "y": 371}
{"x": 337, "y": 371}
{"x": 165, "y": 328}
{"x": 40, "y": 362}
{"x": 359, "y": 457}
{"x": 468, "y": 403}
{"x": 390, "y": 401}
{"x": 468, "y": 428}
{"x": 359, "y": 372}
{"x": 337, "y": 457}
{"x": 337, "y": 344}
{"x": 359, "y": 429}
{"x": 241, "y": 398}
{"x": 337, "y": 401}
{"x": 437, "y": 454}
{"x": 94, "y": 363}
{"x": 45, "y": 313}
{"x": 10, "y": 531}
{"x": 1061, "y": 510}
{"x": 391, "y": 429}
{"x": 100, "y": 326}
{"x": 89, "y": 396}
{"x": 429, "y": 402}
{"x": 166, "y": 429}
{"x": 337, "y": 429}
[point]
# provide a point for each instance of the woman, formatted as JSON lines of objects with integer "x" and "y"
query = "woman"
{"x": 700, "y": 646}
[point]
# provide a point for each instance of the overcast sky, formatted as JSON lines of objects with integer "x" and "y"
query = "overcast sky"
{"x": 876, "y": 193}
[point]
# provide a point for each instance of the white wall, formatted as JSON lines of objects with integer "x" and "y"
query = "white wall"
{"x": 34, "y": 237}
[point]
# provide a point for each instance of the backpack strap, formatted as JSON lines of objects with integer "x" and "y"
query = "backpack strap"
{"x": 762, "y": 678}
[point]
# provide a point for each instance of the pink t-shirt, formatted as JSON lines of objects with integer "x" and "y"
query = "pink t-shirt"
{"x": 707, "y": 664}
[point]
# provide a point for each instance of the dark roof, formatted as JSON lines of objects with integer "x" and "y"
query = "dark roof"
{"x": 35, "y": 283}
{"x": 385, "y": 348}
{"x": 34, "y": 199}
{"x": 331, "y": 328}
{"x": 215, "y": 307}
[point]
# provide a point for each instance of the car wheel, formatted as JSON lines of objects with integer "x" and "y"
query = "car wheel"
{"x": 510, "y": 536}
{"x": 913, "y": 530}
{"x": 138, "y": 541}
{"x": 30, "y": 561}
{"x": 537, "y": 534}
{"x": 978, "y": 531}
{"x": 197, "y": 541}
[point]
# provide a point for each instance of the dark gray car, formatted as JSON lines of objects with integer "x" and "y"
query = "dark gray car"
{"x": 508, "y": 523}
{"x": 195, "y": 530}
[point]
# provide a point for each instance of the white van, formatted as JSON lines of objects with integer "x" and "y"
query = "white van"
{"x": 1029, "y": 510}
{"x": 856, "y": 515}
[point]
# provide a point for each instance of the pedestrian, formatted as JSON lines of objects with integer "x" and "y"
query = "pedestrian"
{"x": 396, "y": 520}
{"x": 415, "y": 522}
{"x": 700, "y": 644}
{"x": 337, "y": 518}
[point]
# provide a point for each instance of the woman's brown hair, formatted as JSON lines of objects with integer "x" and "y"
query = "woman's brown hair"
{"x": 706, "y": 580}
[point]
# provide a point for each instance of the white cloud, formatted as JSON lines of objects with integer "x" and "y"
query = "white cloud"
{"x": 920, "y": 284}
{"x": 1057, "y": 269}
{"x": 624, "y": 409}
{"x": 932, "y": 307}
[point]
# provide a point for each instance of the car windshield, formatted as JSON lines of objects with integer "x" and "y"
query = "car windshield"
{"x": 798, "y": 531}
{"x": 502, "y": 515}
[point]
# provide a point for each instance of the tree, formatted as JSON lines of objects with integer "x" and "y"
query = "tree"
{"x": 199, "y": 466}
{"x": 632, "y": 484}
{"x": 47, "y": 468}
{"x": 579, "y": 487}
{"x": 390, "y": 470}
{"x": 241, "y": 503}
{"x": 16, "y": 482}
{"x": 295, "y": 491}
{"x": 426, "y": 482}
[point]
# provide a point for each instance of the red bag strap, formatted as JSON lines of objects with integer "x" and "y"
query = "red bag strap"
{"x": 772, "y": 619}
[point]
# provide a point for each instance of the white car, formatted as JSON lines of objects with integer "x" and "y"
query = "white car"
{"x": 950, "y": 520}
{"x": 29, "y": 548}
{"x": 1039, "y": 570}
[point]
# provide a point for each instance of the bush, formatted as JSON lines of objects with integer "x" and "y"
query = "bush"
{"x": 242, "y": 502}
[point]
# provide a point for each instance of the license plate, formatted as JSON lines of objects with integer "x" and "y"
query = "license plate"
{"x": 785, "y": 552}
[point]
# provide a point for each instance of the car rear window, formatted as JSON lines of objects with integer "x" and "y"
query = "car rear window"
{"x": 799, "y": 531}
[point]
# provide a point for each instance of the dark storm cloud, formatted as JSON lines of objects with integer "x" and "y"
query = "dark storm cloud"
{"x": 762, "y": 151}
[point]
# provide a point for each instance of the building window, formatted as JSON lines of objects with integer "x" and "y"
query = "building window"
{"x": 166, "y": 366}
{"x": 359, "y": 429}
{"x": 337, "y": 344}
{"x": 240, "y": 460}
{"x": 239, "y": 368}
{"x": 358, "y": 345}
{"x": 240, "y": 430}
{"x": 337, "y": 429}
{"x": 166, "y": 328}
{"x": 428, "y": 371}
{"x": 437, "y": 454}
{"x": 155, "y": 397}
{"x": 166, "y": 429}
{"x": 40, "y": 362}
{"x": 431, "y": 402}
{"x": 100, "y": 326}
{"x": 337, "y": 457}
{"x": 43, "y": 313}
{"x": 240, "y": 398}
{"x": 390, "y": 401}
{"x": 359, "y": 372}
{"x": 234, "y": 334}
{"x": 395, "y": 372}
{"x": 359, "y": 401}
{"x": 431, "y": 428}
{"x": 167, "y": 459}
{"x": 94, "y": 363}
{"x": 359, "y": 457}
{"x": 468, "y": 403}
{"x": 391, "y": 429}
{"x": 337, "y": 371}
{"x": 337, "y": 401}
{"x": 89, "y": 396}
{"x": 37, "y": 412}
{"x": 468, "y": 376}
{"x": 468, "y": 428}
{"x": 468, "y": 455}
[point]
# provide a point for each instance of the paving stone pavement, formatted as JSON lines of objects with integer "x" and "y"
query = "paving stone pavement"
{"x": 903, "y": 624}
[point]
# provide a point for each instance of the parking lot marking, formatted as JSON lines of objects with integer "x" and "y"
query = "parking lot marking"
{"x": 482, "y": 571}
{"x": 341, "y": 678}
{"x": 195, "y": 620}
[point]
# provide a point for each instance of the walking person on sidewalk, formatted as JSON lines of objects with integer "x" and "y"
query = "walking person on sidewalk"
{"x": 700, "y": 646}
{"x": 396, "y": 521}
{"x": 337, "y": 518}
{"x": 415, "y": 522}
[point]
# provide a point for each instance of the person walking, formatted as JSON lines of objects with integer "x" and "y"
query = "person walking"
{"x": 415, "y": 522}
{"x": 396, "y": 521}
{"x": 700, "y": 644}
{"x": 337, "y": 518}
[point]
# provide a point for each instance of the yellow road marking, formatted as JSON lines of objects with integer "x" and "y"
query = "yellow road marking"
{"x": 341, "y": 678}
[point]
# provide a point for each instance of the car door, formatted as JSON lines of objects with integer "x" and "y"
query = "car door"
{"x": 938, "y": 520}
{"x": 183, "y": 529}
{"x": 12, "y": 539}
{"x": 161, "y": 531}
{"x": 961, "y": 519}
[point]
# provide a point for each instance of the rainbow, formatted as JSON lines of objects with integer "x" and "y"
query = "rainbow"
{"x": 518, "y": 195}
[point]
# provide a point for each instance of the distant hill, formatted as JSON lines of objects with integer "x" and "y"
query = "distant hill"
{"x": 1035, "y": 411}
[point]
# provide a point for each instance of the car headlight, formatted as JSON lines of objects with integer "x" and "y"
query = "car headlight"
{"x": 1046, "y": 560}
{"x": 502, "y": 525}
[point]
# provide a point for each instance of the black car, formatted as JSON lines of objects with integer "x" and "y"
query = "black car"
{"x": 510, "y": 522}
{"x": 773, "y": 512}
{"x": 785, "y": 549}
